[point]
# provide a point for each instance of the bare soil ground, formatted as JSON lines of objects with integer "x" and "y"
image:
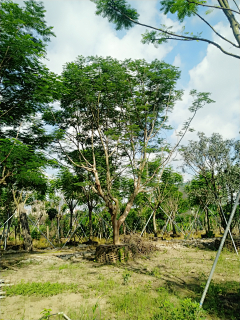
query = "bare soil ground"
{"x": 180, "y": 269}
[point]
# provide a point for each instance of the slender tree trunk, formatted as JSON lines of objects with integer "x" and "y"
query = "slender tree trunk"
{"x": 6, "y": 235}
{"x": 25, "y": 228}
{"x": 15, "y": 234}
{"x": 174, "y": 229}
{"x": 154, "y": 224}
{"x": 208, "y": 222}
{"x": 71, "y": 217}
{"x": 18, "y": 226}
{"x": 58, "y": 233}
{"x": 90, "y": 224}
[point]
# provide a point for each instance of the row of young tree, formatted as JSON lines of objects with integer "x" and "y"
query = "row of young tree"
{"x": 107, "y": 137}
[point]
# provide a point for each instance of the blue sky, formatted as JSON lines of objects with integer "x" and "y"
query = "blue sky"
{"x": 203, "y": 67}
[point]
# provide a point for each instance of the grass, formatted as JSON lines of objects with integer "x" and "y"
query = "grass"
{"x": 167, "y": 287}
{"x": 144, "y": 303}
{"x": 44, "y": 289}
{"x": 222, "y": 299}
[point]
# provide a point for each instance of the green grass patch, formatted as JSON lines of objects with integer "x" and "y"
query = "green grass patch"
{"x": 44, "y": 289}
{"x": 104, "y": 286}
{"x": 185, "y": 309}
{"x": 143, "y": 303}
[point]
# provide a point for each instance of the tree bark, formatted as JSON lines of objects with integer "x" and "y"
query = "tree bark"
{"x": 25, "y": 229}
{"x": 116, "y": 227}
{"x": 174, "y": 228}
{"x": 124, "y": 228}
{"x": 71, "y": 217}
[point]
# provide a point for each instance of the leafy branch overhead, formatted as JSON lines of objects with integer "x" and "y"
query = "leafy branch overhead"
{"x": 123, "y": 16}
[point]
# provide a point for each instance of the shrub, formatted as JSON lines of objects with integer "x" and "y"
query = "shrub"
{"x": 35, "y": 234}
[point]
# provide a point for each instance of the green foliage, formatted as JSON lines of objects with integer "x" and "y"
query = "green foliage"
{"x": 26, "y": 87}
{"x": 22, "y": 163}
{"x": 52, "y": 213}
{"x": 115, "y": 11}
{"x": 182, "y": 7}
{"x": 45, "y": 289}
{"x": 35, "y": 234}
{"x": 26, "y": 83}
{"x": 46, "y": 313}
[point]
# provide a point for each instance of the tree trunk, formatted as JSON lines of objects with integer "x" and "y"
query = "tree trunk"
{"x": 71, "y": 217}
{"x": 25, "y": 229}
{"x": 173, "y": 224}
{"x": 18, "y": 226}
{"x": 174, "y": 229}
{"x": 124, "y": 228}
{"x": 154, "y": 224}
{"x": 208, "y": 222}
{"x": 115, "y": 225}
{"x": 58, "y": 234}
{"x": 15, "y": 234}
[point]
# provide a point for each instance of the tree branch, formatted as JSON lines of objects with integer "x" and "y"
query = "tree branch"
{"x": 215, "y": 7}
{"x": 218, "y": 34}
{"x": 180, "y": 37}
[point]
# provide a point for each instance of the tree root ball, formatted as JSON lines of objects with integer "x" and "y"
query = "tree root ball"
{"x": 113, "y": 253}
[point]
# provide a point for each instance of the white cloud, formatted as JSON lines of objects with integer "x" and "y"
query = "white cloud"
{"x": 80, "y": 32}
{"x": 177, "y": 61}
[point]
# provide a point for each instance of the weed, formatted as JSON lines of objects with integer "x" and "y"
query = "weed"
{"x": 187, "y": 310}
{"x": 45, "y": 313}
{"x": 148, "y": 285}
{"x": 155, "y": 272}
{"x": 126, "y": 277}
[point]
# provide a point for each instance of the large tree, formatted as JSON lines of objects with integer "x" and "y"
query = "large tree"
{"x": 113, "y": 115}
{"x": 124, "y": 16}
